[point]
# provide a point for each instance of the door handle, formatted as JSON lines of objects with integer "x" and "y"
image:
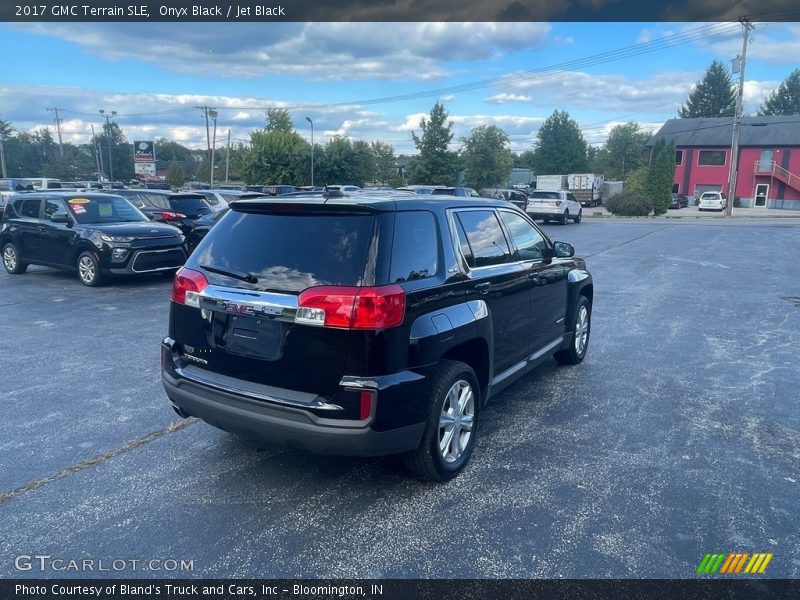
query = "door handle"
{"x": 533, "y": 276}
{"x": 484, "y": 287}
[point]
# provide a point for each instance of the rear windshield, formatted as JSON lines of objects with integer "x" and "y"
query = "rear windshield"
{"x": 545, "y": 196}
{"x": 289, "y": 252}
{"x": 188, "y": 206}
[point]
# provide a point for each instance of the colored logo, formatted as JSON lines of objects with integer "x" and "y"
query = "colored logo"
{"x": 734, "y": 563}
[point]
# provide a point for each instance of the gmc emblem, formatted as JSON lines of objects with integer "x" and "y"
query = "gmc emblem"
{"x": 238, "y": 309}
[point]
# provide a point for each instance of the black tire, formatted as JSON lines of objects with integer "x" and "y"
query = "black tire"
{"x": 88, "y": 267}
{"x": 427, "y": 461}
{"x": 11, "y": 259}
{"x": 578, "y": 217}
{"x": 562, "y": 220}
{"x": 574, "y": 354}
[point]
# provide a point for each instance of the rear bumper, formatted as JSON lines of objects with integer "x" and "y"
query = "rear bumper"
{"x": 545, "y": 215}
{"x": 291, "y": 425}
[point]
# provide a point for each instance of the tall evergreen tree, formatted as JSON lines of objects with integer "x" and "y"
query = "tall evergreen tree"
{"x": 785, "y": 100}
{"x": 435, "y": 164}
{"x": 713, "y": 96}
{"x": 560, "y": 147}
{"x": 660, "y": 176}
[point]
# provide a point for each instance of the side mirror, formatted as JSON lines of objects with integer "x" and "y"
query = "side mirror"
{"x": 60, "y": 218}
{"x": 563, "y": 249}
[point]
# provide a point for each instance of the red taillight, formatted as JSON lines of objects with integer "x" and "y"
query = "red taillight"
{"x": 187, "y": 284}
{"x": 169, "y": 215}
{"x": 365, "y": 410}
{"x": 352, "y": 307}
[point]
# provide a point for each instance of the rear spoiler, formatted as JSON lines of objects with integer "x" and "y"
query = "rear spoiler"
{"x": 276, "y": 205}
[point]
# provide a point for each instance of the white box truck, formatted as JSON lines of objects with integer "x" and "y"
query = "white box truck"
{"x": 586, "y": 187}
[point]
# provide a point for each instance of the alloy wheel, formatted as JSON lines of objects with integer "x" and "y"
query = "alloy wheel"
{"x": 581, "y": 330}
{"x": 87, "y": 270}
{"x": 10, "y": 258}
{"x": 456, "y": 421}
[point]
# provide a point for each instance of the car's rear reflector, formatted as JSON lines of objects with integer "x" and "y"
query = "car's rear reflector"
{"x": 187, "y": 286}
{"x": 352, "y": 307}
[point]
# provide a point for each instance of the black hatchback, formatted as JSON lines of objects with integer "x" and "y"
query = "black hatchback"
{"x": 178, "y": 209}
{"x": 94, "y": 234}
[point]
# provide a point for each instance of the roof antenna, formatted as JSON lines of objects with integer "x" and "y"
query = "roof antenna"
{"x": 328, "y": 194}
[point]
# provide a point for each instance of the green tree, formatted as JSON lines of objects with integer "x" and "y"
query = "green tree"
{"x": 171, "y": 150}
{"x": 276, "y": 156}
{"x": 525, "y": 159}
{"x": 487, "y": 157}
{"x": 346, "y": 162}
{"x": 625, "y": 151}
{"x": 278, "y": 119}
{"x": 636, "y": 182}
{"x": 661, "y": 175}
{"x": 712, "y": 96}
{"x": 175, "y": 175}
{"x": 385, "y": 163}
{"x": 203, "y": 173}
{"x": 121, "y": 151}
{"x": 784, "y": 101}
{"x": 5, "y": 128}
{"x": 435, "y": 164}
{"x": 560, "y": 147}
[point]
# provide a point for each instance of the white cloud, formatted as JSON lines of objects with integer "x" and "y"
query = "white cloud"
{"x": 328, "y": 50}
{"x": 503, "y": 98}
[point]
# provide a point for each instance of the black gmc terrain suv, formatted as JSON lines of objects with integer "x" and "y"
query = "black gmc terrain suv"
{"x": 369, "y": 325}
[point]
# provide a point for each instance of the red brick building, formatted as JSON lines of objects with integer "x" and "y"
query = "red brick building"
{"x": 769, "y": 158}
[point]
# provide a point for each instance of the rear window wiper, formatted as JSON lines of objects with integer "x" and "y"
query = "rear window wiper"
{"x": 246, "y": 277}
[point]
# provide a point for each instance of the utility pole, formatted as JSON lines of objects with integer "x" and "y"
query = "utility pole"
{"x": 108, "y": 138}
{"x": 737, "y": 119}
{"x": 58, "y": 129}
{"x": 3, "y": 155}
{"x": 228, "y": 156}
{"x": 213, "y": 114}
{"x": 98, "y": 156}
{"x": 312, "y": 149}
{"x": 205, "y": 110}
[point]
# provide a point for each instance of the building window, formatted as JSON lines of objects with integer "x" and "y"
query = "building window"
{"x": 711, "y": 158}
{"x": 678, "y": 158}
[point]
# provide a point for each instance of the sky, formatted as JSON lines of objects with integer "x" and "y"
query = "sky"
{"x": 371, "y": 80}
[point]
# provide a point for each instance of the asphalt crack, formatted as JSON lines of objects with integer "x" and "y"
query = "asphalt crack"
{"x": 614, "y": 247}
{"x": 96, "y": 460}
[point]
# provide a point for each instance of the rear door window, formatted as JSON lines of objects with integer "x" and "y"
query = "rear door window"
{"x": 30, "y": 208}
{"x": 415, "y": 246}
{"x": 288, "y": 252}
{"x": 485, "y": 238}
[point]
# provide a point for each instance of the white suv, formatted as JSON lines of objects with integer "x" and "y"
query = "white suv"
{"x": 554, "y": 205}
{"x": 712, "y": 201}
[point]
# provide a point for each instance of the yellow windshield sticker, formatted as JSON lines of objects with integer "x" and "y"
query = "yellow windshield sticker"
{"x": 79, "y": 201}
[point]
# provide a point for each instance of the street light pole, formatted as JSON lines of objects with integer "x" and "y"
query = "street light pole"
{"x": 737, "y": 121}
{"x": 3, "y": 155}
{"x": 108, "y": 137}
{"x": 213, "y": 114}
{"x": 312, "y": 149}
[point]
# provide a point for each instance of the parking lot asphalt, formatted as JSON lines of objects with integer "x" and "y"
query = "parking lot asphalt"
{"x": 678, "y": 435}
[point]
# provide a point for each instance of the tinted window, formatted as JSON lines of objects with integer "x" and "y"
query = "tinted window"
{"x": 529, "y": 242}
{"x": 289, "y": 252}
{"x": 678, "y": 157}
{"x": 211, "y": 198}
{"x": 711, "y": 157}
{"x": 545, "y": 196}
{"x": 571, "y": 197}
{"x": 53, "y": 206}
{"x": 414, "y": 246}
{"x": 30, "y": 208}
{"x": 188, "y": 206}
{"x": 487, "y": 243}
{"x": 53, "y": 185}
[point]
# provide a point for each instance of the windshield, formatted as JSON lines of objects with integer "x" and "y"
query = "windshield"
{"x": 710, "y": 196}
{"x": 188, "y": 205}
{"x": 105, "y": 209}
